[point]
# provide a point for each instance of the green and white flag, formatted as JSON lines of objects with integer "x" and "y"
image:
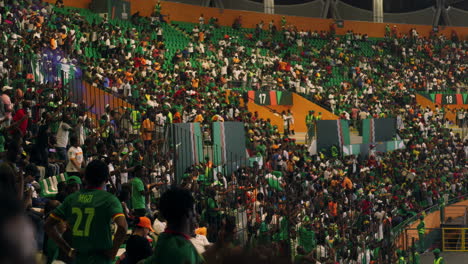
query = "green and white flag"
{"x": 274, "y": 182}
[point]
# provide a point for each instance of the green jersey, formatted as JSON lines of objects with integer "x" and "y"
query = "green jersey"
{"x": 138, "y": 199}
{"x": 211, "y": 206}
{"x": 174, "y": 249}
{"x": 307, "y": 239}
{"x": 89, "y": 213}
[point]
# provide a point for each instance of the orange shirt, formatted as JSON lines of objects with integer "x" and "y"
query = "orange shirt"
{"x": 282, "y": 65}
{"x": 347, "y": 183}
{"x": 201, "y": 36}
{"x": 177, "y": 118}
{"x": 53, "y": 43}
{"x": 198, "y": 119}
{"x": 195, "y": 82}
{"x": 333, "y": 208}
{"x": 147, "y": 124}
{"x": 129, "y": 76}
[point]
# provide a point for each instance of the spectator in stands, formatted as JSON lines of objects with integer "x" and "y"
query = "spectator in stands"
{"x": 366, "y": 77}
{"x": 138, "y": 246}
{"x": 89, "y": 212}
{"x": 139, "y": 191}
{"x": 174, "y": 246}
{"x": 63, "y": 137}
{"x": 75, "y": 158}
{"x": 20, "y": 121}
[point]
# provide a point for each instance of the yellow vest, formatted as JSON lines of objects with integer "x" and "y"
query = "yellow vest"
{"x": 437, "y": 261}
{"x": 136, "y": 123}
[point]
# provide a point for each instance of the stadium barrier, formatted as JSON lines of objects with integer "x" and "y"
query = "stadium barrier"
{"x": 455, "y": 239}
{"x": 435, "y": 215}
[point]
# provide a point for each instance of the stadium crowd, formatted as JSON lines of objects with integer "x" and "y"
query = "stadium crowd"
{"x": 319, "y": 208}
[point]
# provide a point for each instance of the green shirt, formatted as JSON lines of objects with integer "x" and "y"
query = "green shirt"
{"x": 174, "y": 249}
{"x": 211, "y": 206}
{"x": 89, "y": 213}
{"x": 138, "y": 199}
{"x": 2, "y": 142}
{"x": 306, "y": 239}
{"x": 52, "y": 251}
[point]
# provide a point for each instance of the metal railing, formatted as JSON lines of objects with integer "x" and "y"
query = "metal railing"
{"x": 399, "y": 233}
{"x": 455, "y": 239}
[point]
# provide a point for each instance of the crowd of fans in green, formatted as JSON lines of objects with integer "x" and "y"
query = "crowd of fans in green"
{"x": 324, "y": 208}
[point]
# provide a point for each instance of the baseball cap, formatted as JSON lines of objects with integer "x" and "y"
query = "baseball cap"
{"x": 74, "y": 179}
{"x": 145, "y": 222}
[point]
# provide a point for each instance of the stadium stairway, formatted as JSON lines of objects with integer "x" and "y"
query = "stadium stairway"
{"x": 300, "y": 108}
{"x": 269, "y": 112}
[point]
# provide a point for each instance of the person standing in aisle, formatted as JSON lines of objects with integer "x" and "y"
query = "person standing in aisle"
{"x": 89, "y": 213}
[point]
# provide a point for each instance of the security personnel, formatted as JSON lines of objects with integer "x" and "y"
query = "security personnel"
{"x": 401, "y": 257}
{"x": 421, "y": 232}
{"x": 437, "y": 258}
{"x": 135, "y": 118}
{"x": 319, "y": 116}
{"x": 310, "y": 123}
{"x": 415, "y": 258}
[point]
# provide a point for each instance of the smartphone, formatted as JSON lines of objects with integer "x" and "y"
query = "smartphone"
{"x": 52, "y": 150}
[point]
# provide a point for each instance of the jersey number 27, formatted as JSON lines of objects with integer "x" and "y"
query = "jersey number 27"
{"x": 89, "y": 212}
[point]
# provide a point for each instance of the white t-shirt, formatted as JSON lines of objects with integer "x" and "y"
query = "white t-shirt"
{"x": 62, "y": 135}
{"x": 199, "y": 242}
{"x": 75, "y": 153}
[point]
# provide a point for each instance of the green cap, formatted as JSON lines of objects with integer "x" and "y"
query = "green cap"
{"x": 436, "y": 251}
{"x": 74, "y": 179}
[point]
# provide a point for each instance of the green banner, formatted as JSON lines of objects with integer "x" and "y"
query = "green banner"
{"x": 284, "y": 98}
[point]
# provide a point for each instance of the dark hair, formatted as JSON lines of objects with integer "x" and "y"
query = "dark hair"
{"x": 97, "y": 173}
{"x": 125, "y": 192}
{"x": 13, "y": 150}
{"x": 175, "y": 204}
{"x": 138, "y": 168}
{"x": 31, "y": 169}
{"x": 73, "y": 140}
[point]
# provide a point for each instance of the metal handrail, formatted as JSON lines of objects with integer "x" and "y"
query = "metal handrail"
{"x": 397, "y": 230}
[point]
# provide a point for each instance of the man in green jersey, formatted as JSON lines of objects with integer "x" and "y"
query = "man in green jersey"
{"x": 174, "y": 246}
{"x": 138, "y": 192}
{"x": 89, "y": 213}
